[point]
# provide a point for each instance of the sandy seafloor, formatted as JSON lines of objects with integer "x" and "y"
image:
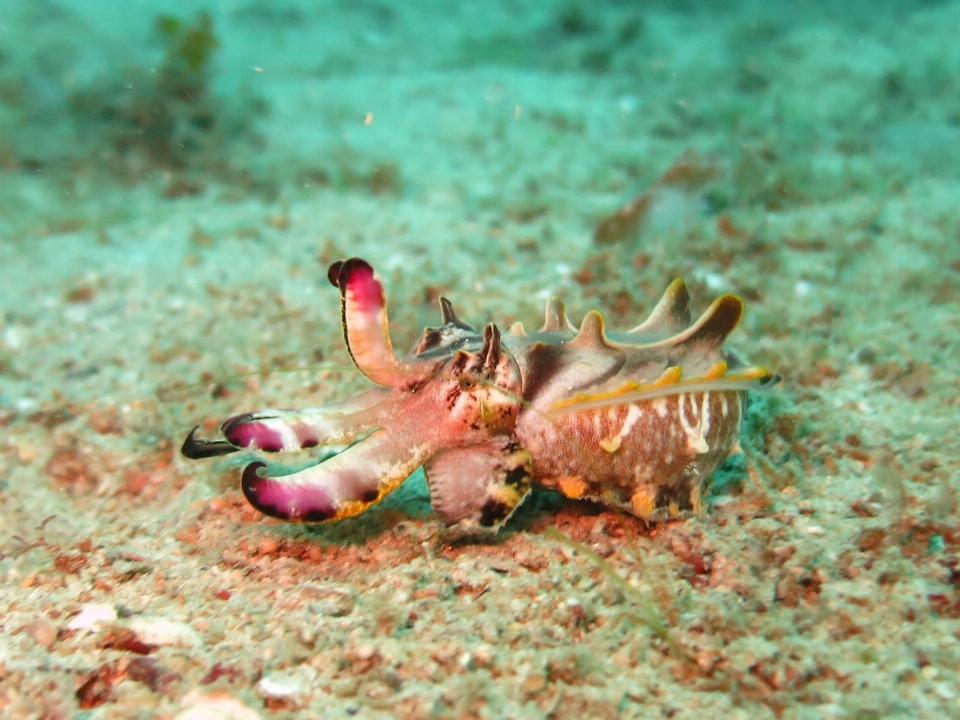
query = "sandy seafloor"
{"x": 469, "y": 148}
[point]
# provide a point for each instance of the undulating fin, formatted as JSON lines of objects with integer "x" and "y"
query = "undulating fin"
{"x": 276, "y": 431}
{"x": 671, "y": 375}
{"x": 710, "y": 330}
{"x": 517, "y": 330}
{"x": 479, "y": 486}
{"x": 717, "y": 370}
{"x": 754, "y": 378}
{"x": 671, "y": 314}
{"x": 590, "y": 336}
{"x": 341, "y": 487}
{"x": 668, "y": 377}
{"x": 364, "y": 318}
{"x": 555, "y": 317}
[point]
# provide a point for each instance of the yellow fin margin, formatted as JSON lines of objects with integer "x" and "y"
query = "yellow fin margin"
{"x": 753, "y": 378}
{"x": 669, "y": 376}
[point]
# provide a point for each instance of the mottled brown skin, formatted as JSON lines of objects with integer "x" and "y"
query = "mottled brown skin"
{"x": 635, "y": 420}
{"x": 654, "y": 471}
{"x": 644, "y": 456}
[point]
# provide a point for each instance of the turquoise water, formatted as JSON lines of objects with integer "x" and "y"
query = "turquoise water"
{"x": 175, "y": 180}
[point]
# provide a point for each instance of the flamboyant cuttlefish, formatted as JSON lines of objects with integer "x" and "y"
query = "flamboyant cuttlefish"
{"x": 636, "y": 420}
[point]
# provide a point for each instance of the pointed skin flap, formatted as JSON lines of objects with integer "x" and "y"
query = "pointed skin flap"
{"x": 491, "y": 349}
{"x": 555, "y": 317}
{"x": 672, "y": 313}
{"x": 447, "y": 313}
{"x": 517, "y": 330}
{"x": 708, "y": 333}
{"x": 590, "y": 336}
{"x": 452, "y": 331}
{"x": 364, "y": 318}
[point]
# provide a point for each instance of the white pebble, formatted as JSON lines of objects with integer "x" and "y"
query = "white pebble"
{"x": 92, "y": 616}
{"x": 13, "y": 337}
{"x": 279, "y": 687}
{"x": 163, "y": 632}
{"x": 26, "y": 405}
{"x": 714, "y": 281}
{"x": 216, "y": 706}
{"x": 365, "y": 652}
{"x": 77, "y": 313}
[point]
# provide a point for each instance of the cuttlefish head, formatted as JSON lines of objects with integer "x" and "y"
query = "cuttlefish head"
{"x": 471, "y": 372}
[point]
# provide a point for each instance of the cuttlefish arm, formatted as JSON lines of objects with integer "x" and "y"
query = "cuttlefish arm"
{"x": 478, "y": 487}
{"x": 453, "y": 403}
{"x": 195, "y": 448}
{"x": 363, "y": 306}
{"x": 363, "y": 314}
{"x": 276, "y": 431}
{"x": 458, "y": 422}
{"x": 341, "y": 487}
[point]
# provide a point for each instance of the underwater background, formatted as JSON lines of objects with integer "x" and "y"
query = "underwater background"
{"x": 175, "y": 179}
